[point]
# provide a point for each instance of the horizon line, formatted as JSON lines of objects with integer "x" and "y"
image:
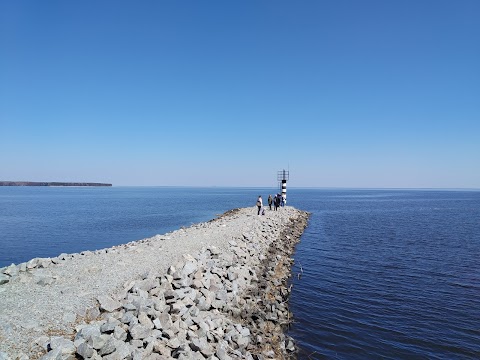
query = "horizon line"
{"x": 305, "y": 187}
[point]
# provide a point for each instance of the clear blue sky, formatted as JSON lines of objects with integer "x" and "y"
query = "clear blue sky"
{"x": 343, "y": 93}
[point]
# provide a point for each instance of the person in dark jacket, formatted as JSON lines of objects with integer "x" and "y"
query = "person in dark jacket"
{"x": 277, "y": 202}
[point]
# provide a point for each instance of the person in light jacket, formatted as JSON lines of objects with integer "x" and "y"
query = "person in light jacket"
{"x": 259, "y": 204}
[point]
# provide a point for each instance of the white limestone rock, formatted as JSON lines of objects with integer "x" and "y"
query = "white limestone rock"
{"x": 66, "y": 346}
{"x": 4, "y": 279}
{"x": 108, "y": 304}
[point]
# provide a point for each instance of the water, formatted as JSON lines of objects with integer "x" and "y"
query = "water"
{"x": 388, "y": 275}
{"x": 46, "y": 221}
{"x": 384, "y": 274}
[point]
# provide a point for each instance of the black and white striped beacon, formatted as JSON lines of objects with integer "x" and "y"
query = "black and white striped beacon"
{"x": 283, "y": 176}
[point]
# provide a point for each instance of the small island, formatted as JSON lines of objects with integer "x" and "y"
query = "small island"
{"x": 34, "y": 183}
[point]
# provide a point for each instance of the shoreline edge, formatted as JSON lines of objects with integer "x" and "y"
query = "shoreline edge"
{"x": 223, "y": 302}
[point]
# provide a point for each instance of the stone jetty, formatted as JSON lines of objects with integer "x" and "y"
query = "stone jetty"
{"x": 214, "y": 290}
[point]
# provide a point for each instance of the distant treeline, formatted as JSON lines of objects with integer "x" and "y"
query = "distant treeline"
{"x": 33, "y": 183}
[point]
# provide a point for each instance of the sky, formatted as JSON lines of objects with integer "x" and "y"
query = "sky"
{"x": 344, "y": 93}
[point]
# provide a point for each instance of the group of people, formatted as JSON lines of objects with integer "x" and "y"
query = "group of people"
{"x": 277, "y": 201}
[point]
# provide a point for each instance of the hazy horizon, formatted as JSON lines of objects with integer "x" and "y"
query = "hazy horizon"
{"x": 264, "y": 187}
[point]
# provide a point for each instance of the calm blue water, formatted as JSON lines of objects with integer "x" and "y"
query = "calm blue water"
{"x": 384, "y": 274}
{"x": 388, "y": 275}
{"x": 46, "y": 221}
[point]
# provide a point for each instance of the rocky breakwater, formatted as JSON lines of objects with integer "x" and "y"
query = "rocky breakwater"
{"x": 226, "y": 302}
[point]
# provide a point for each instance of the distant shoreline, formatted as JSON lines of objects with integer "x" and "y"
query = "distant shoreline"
{"x": 34, "y": 183}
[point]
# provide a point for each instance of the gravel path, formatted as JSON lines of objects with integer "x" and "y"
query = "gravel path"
{"x": 31, "y": 307}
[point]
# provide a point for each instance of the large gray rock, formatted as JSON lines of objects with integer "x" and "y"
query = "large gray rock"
{"x": 157, "y": 324}
{"x": 145, "y": 320}
{"x": 119, "y": 333}
{"x": 96, "y": 342}
{"x": 129, "y": 307}
{"x": 108, "y": 304}
{"x": 221, "y": 352}
{"x": 109, "y": 326}
{"x": 122, "y": 351}
{"x": 4, "y": 279}
{"x": 85, "y": 351}
{"x": 146, "y": 284}
{"x": 168, "y": 334}
{"x": 92, "y": 313}
{"x": 173, "y": 343}
{"x": 44, "y": 262}
{"x": 109, "y": 346}
{"x": 201, "y": 345}
{"x": 189, "y": 268}
{"x": 161, "y": 348}
{"x": 242, "y": 341}
{"x": 139, "y": 331}
{"x": 87, "y": 331}
{"x": 176, "y": 307}
{"x": 165, "y": 321}
{"x": 32, "y": 263}
{"x": 183, "y": 282}
{"x": 129, "y": 318}
{"x": 66, "y": 346}
{"x": 12, "y": 270}
{"x": 170, "y": 296}
{"x": 221, "y": 295}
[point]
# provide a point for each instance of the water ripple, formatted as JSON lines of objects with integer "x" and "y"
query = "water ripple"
{"x": 389, "y": 278}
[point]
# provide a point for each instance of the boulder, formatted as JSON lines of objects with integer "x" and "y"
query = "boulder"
{"x": 87, "y": 331}
{"x": 139, "y": 331}
{"x": 85, "y": 351}
{"x": 4, "y": 279}
{"x": 108, "y": 347}
{"x": 66, "y": 346}
{"x": 145, "y": 320}
{"x": 189, "y": 268}
{"x": 32, "y": 263}
{"x": 108, "y": 304}
{"x": 119, "y": 333}
{"x": 12, "y": 270}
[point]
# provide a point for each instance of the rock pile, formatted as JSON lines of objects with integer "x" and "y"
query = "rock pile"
{"x": 38, "y": 267}
{"x": 215, "y": 305}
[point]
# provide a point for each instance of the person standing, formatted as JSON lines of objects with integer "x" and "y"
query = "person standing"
{"x": 270, "y": 200}
{"x": 259, "y": 204}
